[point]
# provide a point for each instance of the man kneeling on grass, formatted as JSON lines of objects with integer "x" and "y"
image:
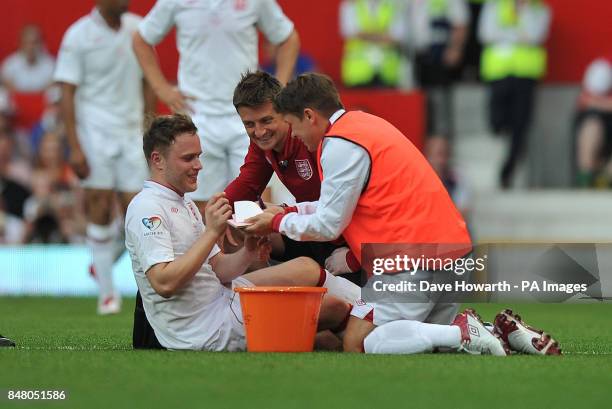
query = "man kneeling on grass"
{"x": 181, "y": 274}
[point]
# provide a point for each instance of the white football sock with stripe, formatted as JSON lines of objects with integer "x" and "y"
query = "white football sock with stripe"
{"x": 100, "y": 240}
{"x": 411, "y": 337}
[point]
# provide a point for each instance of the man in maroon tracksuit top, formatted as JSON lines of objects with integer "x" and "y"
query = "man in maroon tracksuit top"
{"x": 274, "y": 150}
{"x": 287, "y": 157}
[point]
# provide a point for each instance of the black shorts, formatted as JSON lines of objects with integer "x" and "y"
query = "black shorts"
{"x": 143, "y": 336}
{"x": 318, "y": 251}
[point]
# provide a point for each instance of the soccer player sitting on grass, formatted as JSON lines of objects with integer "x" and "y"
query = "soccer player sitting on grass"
{"x": 183, "y": 278}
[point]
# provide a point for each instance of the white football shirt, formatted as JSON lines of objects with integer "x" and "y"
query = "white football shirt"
{"x": 160, "y": 226}
{"x": 26, "y": 77}
{"x": 101, "y": 63}
{"x": 217, "y": 43}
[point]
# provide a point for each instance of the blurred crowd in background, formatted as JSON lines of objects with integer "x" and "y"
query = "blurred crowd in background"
{"x": 404, "y": 44}
{"x": 41, "y": 200}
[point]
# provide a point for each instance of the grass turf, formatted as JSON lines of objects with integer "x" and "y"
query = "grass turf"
{"x": 63, "y": 345}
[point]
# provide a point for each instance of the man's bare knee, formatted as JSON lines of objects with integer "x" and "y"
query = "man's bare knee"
{"x": 306, "y": 270}
{"x": 306, "y": 264}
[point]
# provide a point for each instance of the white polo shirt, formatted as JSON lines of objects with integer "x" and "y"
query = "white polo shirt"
{"x": 217, "y": 43}
{"x": 101, "y": 63}
{"x": 26, "y": 77}
{"x": 160, "y": 226}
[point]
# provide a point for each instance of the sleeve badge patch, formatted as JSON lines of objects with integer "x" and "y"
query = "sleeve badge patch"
{"x": 152, "y": 223}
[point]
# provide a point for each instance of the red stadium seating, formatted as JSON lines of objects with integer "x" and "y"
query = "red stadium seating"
{"x": 29, "y": 108}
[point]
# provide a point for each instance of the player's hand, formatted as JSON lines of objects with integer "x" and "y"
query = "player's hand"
{"x": 78, "y": 162}
{"x": 218, "y": 211}
{"x": 336, "y": 262}
{"x": 261, "y": 224}
{"x": 175, "y": 100}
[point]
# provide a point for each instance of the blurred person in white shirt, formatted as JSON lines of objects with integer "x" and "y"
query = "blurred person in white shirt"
{"x": 104, "y": 100}
{"x": 438, "y": 32}
{"x": 594, "y": 126}
{"x": 29, "y": 69}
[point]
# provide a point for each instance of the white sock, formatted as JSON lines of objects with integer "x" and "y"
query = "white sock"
{"x": 411, "y": 337}
{"x": 341, "y": 288}
{"x": 100, "y": 242}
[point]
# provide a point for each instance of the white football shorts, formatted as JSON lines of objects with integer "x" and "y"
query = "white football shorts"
{"x": 115, "y": 158}
{"x": 417, "y": 307}
{"x": 224, "y": 145}
{"x": 230, "y": 335}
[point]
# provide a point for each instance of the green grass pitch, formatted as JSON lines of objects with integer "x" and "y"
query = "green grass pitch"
{"x": 63, "y": 345}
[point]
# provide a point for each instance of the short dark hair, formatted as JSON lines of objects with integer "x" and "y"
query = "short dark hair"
{"x": 162, "y": 131}
{"x": 310, "y": 90}
{"x": 255, "y": 89}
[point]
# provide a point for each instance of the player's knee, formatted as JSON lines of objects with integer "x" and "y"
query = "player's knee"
{"x": 307, "y": 264}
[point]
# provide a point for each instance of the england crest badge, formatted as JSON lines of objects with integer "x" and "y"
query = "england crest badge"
{"x": 303, "y": 168}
